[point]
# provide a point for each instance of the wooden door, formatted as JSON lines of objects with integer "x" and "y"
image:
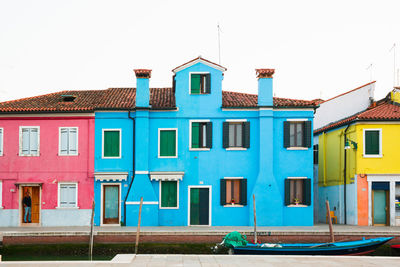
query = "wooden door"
{"x": 34, "y": 192}
{"x": 111, "y": 204}
{"x": 199, "y": 206}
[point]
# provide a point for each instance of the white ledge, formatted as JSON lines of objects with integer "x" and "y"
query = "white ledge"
{"x": 67, "y": 208}
{"x": 233, "y": 206}
{"x": 297, "y": 148}
{"x": 236, "y": 148}
{"x": 199, "y": 149}
{"x": 296, "y": 206}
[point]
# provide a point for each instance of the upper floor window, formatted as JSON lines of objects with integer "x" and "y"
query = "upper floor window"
{"x": 236, "y": 134}
{"x": 1, "y": 141}
{"x": 297, "y": 134}
{"x": 29, "y": 141}
{"x": 372, "y": 142}
{"x": 111, "y": 143}
{"x": 297, "y": 191}
{"x": 67, "y": 195}
{"x": 200, "y": 83}
{"x": 167, "y": 143}
{"x": 316, "y": 148}
{"x": 201, "y": 134}
{"x": 68, "y": 141}
{"x": 233, "y": 191}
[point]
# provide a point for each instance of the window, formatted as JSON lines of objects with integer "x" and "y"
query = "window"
{"x": 316, "y": 147}
{"x": 297, "y": 191}
{"x": 169, "y": 194}
{"x": 233, "y": 191}
{"x": 372, "y": 142}
{"x": 1, "y": 144}
{"x": 111, "y": 143}
{"x": 201, "y": 135}
{"x": 167, "y": 143}
{"x": 29, "y": 141}
{"x": 297, "y": 134}
{"x": 236, "y": 134}
{"x": 67, "y": 195}
{"x": 200, "y": 83}
{"x": 68, "y": 141}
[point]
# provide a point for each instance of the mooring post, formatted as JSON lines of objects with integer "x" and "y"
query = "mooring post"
{"x": 91, "y": 234}
{"x": 328, "y": 210}
{"x": 138, "y": 226}
{"x": 255, "y": 219}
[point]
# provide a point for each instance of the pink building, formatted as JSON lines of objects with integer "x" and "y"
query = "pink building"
{"x": 46, "y": 150}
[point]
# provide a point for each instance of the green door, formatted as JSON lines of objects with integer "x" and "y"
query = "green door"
{"x": 199, "y": 206}
{"x": 380, "y": 207}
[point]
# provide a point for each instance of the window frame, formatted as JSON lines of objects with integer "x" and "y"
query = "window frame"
{"x": 102, "y": 142}
{"x": 237, "y": 205}
{"x": 299, "y": 120}
{"x": 190, "y": 82}
{"x": 59, "y": 141}
{"x": 176, "y": 143}
{"x": 380, "y": 155}
{"x": 177, "y": 195}
{"x": 190, "y": 136}
{"x": 300, "y": 205}
{"x": 1, "y": 145}
{"x": 237, "y": 121}
{"x": 59, "y": 195}
{"x": 21, "y": 138}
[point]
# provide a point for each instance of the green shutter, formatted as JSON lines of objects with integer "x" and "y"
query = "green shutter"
{"x": 167, "y": 143}
{"x": 223, "y": 191}
{"x": 194, "y": 206}
{"x": 287, "y": 192}
{"x": 195, "y": 83}
{"x": 225, "y": 134}
{"x": 195, "y": 134}
{"x": 111, "y": 144}
{"x": 372, "y": 142}
{"x": 169, "y": 194}
{"x": 286, "y": 134}
{"x": 243, "y": 192}
{"x": 246, "y": 134}
{"x": 208, "y": 84}
{"x": 307, "y": 134}
{"x": 307, "y": 192}
{"x": 209, "y": 134}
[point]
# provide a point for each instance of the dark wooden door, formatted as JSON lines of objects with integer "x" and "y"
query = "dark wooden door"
{"x": 199, "y": 206}
{"x": 111, "y": 204}
{"x": 34, "y": 192}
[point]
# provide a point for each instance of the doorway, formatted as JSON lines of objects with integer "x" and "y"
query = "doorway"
{"x": 380, "y": 207}
{"x": 199, "y": 206}
{"x": 111, "y": 204}
{"x": 34, "y": 194}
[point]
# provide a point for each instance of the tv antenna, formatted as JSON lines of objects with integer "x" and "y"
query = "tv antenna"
{"x": 370, "y": 71}
{"x": 394, "y": 63}
{"x": 219, "y": 44}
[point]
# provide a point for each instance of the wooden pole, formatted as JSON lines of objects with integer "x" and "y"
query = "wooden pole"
{"x": 138, "y": 226}
{"x": 255, "y": 219}
{"x": 328, "y": 210}
{"x": 91, "y": 233}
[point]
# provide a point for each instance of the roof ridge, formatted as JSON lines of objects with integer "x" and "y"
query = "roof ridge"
{"x": 349, "y": 91}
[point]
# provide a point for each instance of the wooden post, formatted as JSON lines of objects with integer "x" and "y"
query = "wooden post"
{"x": 328, "y": 210}
{"x": 138, "y": 226}
{"x": 255, "y": 219}
{"x": 91, "y": 233}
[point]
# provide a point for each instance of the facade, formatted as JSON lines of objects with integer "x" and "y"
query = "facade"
{"x": 357, "y": 168}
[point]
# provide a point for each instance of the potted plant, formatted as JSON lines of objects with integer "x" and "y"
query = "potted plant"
{"x": 233, "y": 202}
{"x": 296, "y": 201}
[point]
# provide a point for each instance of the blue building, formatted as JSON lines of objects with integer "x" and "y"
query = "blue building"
{"x": 197, "y": 154}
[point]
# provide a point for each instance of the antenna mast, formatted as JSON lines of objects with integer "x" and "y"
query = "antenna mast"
{"x": 219, "y": 44}
{"x": 370, "y": 71}
{"x": 394, "y": 63}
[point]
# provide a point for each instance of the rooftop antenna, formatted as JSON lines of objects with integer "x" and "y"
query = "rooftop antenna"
{"x": 219, "y": 44}
{"x": 370, "y": 71}
{"x": 394, "y": 63}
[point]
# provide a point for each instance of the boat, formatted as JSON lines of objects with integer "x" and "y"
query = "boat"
{"x": 395, "y": 246}
{"x": 359, "y": 247}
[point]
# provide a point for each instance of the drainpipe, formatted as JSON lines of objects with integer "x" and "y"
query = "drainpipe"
{"x": 345, "y": 176}
{"x": 133, "y": 165}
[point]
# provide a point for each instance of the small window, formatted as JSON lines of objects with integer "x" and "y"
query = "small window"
{"x": 169, "y": 194}
{"x": 167, "y": 145}
{"x": 201, "y": 135}
{"x": 372, "y": 142}
{"x": 297, "y": 134}
{"x": 200, "y": 83}
{"x": 316, "y": 147}
{"x": 67, "y": 195}
{"x": 68, "y": 141}
{"x": 236, "y": 134}
{"x": 297, "y": 191}
{"x": 111, "y": 143}
{"x": 1, "y": 144}
{"x": 233, "y": 192}
{"x": 29, "y": 141}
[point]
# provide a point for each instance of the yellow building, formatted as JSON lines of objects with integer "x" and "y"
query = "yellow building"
{"x": 359, "y": 165}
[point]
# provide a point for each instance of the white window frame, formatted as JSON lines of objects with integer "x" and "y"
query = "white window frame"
{"x": 20, "y": 141}
{"x": 177, "y": 197}
{"x": 190, "y": 81}
{"x": 234, "y": 205}
{"x": 176, "y": 143}
{"x": 102, "y": 204}
{"x": 380, "y": 143}
{"x": 190, "y": 136}
{"x": 298, "y": 147}
{"x": 299, "y": 205}
{"x": 237, "y": 148}
{"x": 102, "y": 142}
{"x": 209, "y": 203}
{"x": 59, "y": 195}
{"x": 77, "y": 141}
{"x": 2, "y": 147}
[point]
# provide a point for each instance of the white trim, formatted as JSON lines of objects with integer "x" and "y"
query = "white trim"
{"x": 239, "y": 109}
{"x": 233, "y": 206}
{"x": 209, "y": 202}
{"x": 2, "y": 147}
{"x": 176, "y": 143}
{"x": 297, "y": 206}
{"x": 265, "y": 108}
{"x": 236, "y": 120}
{"x": 110, "y": 176}
{"x": 141, "y": 172}
{"x": 20, "y": 141}
{"x": 380, "y": 143}
{"x": 190, "y": 136}
{"x": 48, "y": 115}
{"x": 297, "y": 178}
{"x": 177, "y": 196}
{"x": 77, "y": 141}
{"x": 233, "y": 178}
{"x": 235, "y": 148}
{"x": 190, "y": 82}
{"x": 102, "y": 142}
{"x": 297, "y": 119}
{"x": 191, "y": 63}
{"x": 294, "y": 109}
{"x": 102, "y": 203}
{"x": 166, "y": 176}
{"x": 58, "y": 195}
{"x": 144, "y": 203}
{"x": 297, "y": 148}
{"x": 275, "y": 109}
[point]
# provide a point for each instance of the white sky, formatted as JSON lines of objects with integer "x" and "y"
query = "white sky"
{"x": 315, "y": 46}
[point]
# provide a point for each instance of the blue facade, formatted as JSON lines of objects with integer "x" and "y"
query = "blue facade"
{"x": 266, "y": 163}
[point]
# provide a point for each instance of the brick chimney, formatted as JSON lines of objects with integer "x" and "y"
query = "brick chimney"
{"x": 142, "y": 87}
{"x": 265, "y": 94}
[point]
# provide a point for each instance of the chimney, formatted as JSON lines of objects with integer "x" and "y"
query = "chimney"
{"x": 142, "y": 87}
{"x": 265, "y": 87}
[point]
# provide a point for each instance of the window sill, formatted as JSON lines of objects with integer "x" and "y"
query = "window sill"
{"x": 66, "y": 155}
{"x": 1, "y": 207}
{"x": 169, "y": 208}
{"x": 28, "y": 155}
{"x": 236, "y": 148}
{"x": 110, "y": 157}
{"x": 296, "y": 206}
{"x": 372, "y": 156}
{"x": 67, "y": 208}
{"x": 167, "y": 157}
{"x": 199, "y": 149}
{"x": 233, "y": 206}
{"x": 297, "y": 148}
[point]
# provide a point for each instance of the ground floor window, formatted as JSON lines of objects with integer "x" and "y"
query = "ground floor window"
{"x": 169, "y": 194}
{"x": 297, "y": 191}
{"x": 67, "y": 195}
{"x": 233, "y": 191}
{"x": 397, "y": 203}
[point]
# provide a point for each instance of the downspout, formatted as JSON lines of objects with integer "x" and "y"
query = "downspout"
{"x": 133, "y": 164}
{"x": 345, "y": 176}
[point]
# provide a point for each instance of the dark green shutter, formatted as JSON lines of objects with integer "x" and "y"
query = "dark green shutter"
{"x": 307, "y": 192}
{"x": 223, "y": 191}
{"x": 286, "y": 134}
{"x": 246, "y": 134}
{"x": 225, "y": 134}
{"x": 111, "y": 143}
{"x": 194, "y": 206}
{"x": 209, "y": 134}
{"x": 307, "y": 134}
{"x": 372, "y": 142}
{"x": 243, "y": 192}
{"x": 168, "y": 194}
{"x": 195, "y": 134}
{"x": 208, "y": 84}
{"x": 168, "y": 143}
{"x": 195, "y": 83}
{"x": 287, "y": 192}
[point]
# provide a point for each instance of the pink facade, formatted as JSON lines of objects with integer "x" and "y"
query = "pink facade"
{"x": 48, "y": 170}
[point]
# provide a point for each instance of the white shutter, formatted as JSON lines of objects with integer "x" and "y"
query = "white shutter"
{"x": 72, "y": 195}
{"x": 73, "y": 144}
{"x": 25, "y": 141}
{"x": 1, "y": 147}
{"x": 68, "y": 195}
{"x": 63, "y": 195}
{"x": 33, "y": 141}
{"x": 64, "y": 141}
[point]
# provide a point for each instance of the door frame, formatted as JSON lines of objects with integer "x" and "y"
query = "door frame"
{"x": 102, "y": 204}
{"x": 387, "y": 208}
{"x": 209, "y": 203}
{"x": 20, "y": 206}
